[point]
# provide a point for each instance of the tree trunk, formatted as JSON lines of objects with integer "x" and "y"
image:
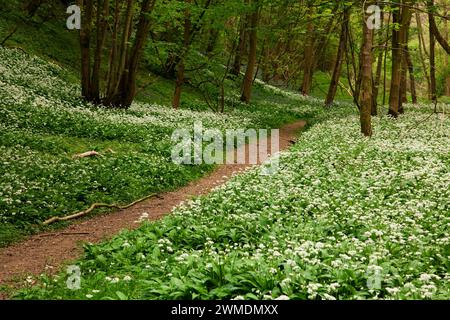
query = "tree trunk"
{"x": 446, "y": 59}
{"x": 248, "y": 79}
{"x": 404, "y": 38}
{"x": 398, "y": 41}
{"x": 101, "y": 33}
{"x": 434, "y": 29}
{"x": 240, "y": 49}
{"x": 432, "y": 60}
{"x": 181, "y": 65}
{"x": 142, "y": 31}
{"x": 112, "y": 65}
{"x": 340, "y": 55}
{"x": 377, "y": 82}
{"x": 124, "y": 47}
{"x": 119, "y": 89}
{"x": 388, "y": 31}
{"x": 308, "y": 56}
{"x": 366, "y": 80}
{"x": 422, "y": 53}
{"x": 412, "y": 79}
{"x": 85, "y": 44}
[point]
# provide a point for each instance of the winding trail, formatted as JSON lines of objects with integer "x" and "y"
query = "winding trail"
{"x": 48, "y": 252}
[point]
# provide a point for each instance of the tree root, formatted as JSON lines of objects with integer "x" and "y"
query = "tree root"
{"x": 93, "y": 207}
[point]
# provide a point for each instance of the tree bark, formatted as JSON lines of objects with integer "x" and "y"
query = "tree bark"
{"x": 102, "y": 15}
{"x": 398, "y": 41}
{"x": 404, "y": 38}
{"x": 423, "y": 53}
{"x": 248, "y": 79}
{"x": 85, "y": 44}
{"x": 308, "y": 56}
{"x": 240, "y": 49}
{"x": 434, "y": 29}
{"x": 433, "y": 90}
{"x": 366, "y": 80}
{"x": 340, "y": 55}
{"x": 181, "y": 65}
{"x": 412, "y": 78}
{"x": 377, "y": 82}
{"x": 388, "y": 31}
{"x": 112, "y": 63}
{"x": 124, "y": 48}
{"x": 446, "y": 59}
{"x": 140, "y": 41}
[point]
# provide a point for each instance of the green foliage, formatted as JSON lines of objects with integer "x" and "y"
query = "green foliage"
{"x": 344, "y": 218}
{"x": 441, "y": 81}
{"x": 44, "y": 123}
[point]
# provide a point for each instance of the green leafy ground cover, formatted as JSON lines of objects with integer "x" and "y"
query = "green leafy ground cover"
{"x": 44, "y": 123}
{"x": 345, "y": 218}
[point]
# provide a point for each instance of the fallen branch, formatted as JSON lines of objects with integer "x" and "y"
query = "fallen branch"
{"x": 345, "y": 88}
{"x": 9, "y": 36}
{"x": 86, "y": 154}
{"x": 63, "y": 234}
{"x": 93, "y": 207}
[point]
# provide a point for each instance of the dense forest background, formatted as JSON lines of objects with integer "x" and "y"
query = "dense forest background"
{"x": 313, "y": 47}
{"x": 357, "y": 210}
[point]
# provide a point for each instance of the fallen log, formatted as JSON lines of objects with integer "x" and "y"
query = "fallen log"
{"x": 93, "y": 207}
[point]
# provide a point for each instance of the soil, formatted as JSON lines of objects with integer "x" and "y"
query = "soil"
{"x": 47, "y": 252}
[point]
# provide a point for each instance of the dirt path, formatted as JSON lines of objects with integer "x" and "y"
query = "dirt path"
{"x": 47, "y": 252}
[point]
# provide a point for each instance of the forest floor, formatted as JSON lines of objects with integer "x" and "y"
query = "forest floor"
{"x": 46, "y": 252}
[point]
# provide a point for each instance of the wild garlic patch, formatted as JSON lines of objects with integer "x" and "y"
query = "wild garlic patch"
{"x": 43, "y": 123}
{"x": 345, "y": 218}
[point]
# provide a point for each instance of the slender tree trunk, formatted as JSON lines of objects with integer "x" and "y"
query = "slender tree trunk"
{"x": 308, "y": 56}
{"x": 432, "y": 61}
{"x": 394, "y": 99}
{"x": 412, "y": 79}
{"x": 124, "y": 52}
{"x": 142, "y": 31}
{"x": 85, "y": 44}
{"x": 102, "y": 15}
{"x": 366, "y": 80}
{"x": 404, "y": 38}
{"x": 422, "y": 53}
{"x": 358, "y": 82}
{"x": 240, "y": 49}
{"x": 248, "y": 79}
{"x": 446, "y": 59}
{"x": 434, "y": 29}
{"x": 340, "y": 56}
{"x": 388, "y": 30}
{"x": 181, "y": 65}
{"x": 377, "y": 81}
{"x": 112, "y": 64}
{"x": 321, "y": 44}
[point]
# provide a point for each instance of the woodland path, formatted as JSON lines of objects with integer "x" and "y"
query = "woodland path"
{"x": 46, "y": 253}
